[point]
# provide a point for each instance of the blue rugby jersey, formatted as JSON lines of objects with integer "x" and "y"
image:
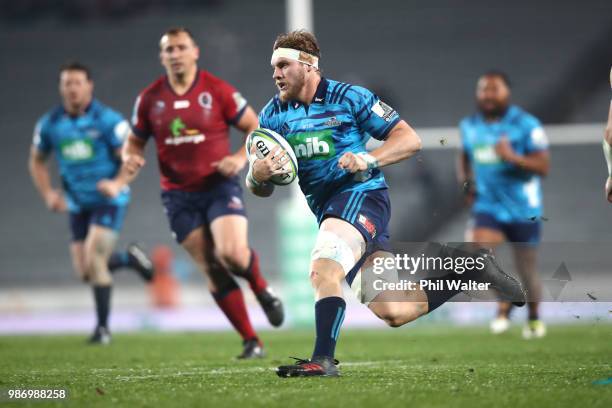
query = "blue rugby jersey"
{"x": 504, "y": 190}
{"x": 340, "y": 118}
{"x": 84, "y": 147}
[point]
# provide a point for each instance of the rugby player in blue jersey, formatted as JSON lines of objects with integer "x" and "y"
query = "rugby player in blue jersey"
{"x": 328, "y": 123}
{"x": 86, "y": 137}
{"x": 505, "y": 153}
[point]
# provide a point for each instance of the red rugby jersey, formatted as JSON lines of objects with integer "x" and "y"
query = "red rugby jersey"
{"x": 191, "y": 131}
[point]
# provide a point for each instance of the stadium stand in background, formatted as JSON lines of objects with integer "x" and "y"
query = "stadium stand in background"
{"x": 423, "y": 61}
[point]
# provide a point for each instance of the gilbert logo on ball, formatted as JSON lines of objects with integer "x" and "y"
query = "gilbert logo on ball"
{"x": 265, "y": 140}
{"x": 262, "y": 148}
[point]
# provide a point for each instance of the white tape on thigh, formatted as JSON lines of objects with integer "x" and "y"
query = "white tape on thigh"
{"x": 331, "y": 246}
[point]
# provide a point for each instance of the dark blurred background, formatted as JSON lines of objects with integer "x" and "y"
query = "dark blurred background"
{"x": 421, "y": 57}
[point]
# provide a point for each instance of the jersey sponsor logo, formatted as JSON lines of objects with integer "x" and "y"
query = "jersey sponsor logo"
{"x": 77, "y": 150}
{"x": 235, "y": 203}
{"x": 239, "y": 101}
{"x": 538, "y": 138}
{"x": 135, "y": 111}
{"x": 134, "y": 118}
{"x": 485, "y": 154}
{"x": 121, "y": 130}
{"x": 180, "y": 134}
{"x": 182, "y": 104}
{"x": 317, "y": 145}
{"x": 367, "y": 224}
{"x": 383, "y": 110}
{"x": 205, "y": 100}
{"x": 177, "y": 126}
{"x": 36, "y": 139}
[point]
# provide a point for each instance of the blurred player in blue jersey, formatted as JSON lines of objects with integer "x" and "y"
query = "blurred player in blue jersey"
{"x": 505, "y": 153}
{"x": 86, "y": 137}
{"x": 328, "y": 123}
{"x": 607, "y": 148}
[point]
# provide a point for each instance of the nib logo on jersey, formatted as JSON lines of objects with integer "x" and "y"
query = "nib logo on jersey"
{"x": 76, "y": 150}
{"x": 180, "y": 134}
{"x": 318, "y": 145}
{"x": 485, "y": 154}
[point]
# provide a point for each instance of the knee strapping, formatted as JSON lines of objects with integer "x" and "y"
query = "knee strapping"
{"x": 330, "y": 246}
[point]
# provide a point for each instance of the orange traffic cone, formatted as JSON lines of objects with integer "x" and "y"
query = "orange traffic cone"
{"x": 164, "y": 287}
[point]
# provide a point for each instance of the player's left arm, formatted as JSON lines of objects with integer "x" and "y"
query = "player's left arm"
{"x": 465, "y": 172}
{"x": 231, "y": 165}
{"x": 116, "y": 138}
{"x": 379, "y": 120}
{"x": 402, "y": 142}
{"x": 537, "y": 158}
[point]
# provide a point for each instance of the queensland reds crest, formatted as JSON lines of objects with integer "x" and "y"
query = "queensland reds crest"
{"x": 159, "y": 107}
{"x": 205, "y": 100}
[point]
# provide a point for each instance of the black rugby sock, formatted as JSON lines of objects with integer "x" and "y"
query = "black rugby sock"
{"x": 102, "y": 295}
{"x": 329, "y": 315}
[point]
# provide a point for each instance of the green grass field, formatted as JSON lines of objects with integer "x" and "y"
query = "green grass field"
{"x": 409, "y": 367}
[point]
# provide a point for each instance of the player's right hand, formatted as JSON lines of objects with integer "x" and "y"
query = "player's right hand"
{"x": 109, "y": 188}
{"x": 230, "y": 165}
{"x": 55, "y": 201}
{"x": 271, "y": 165}
{"x": 504, "y": 150}
{"x": 609, "y": 189}
{"x": 133, "y": 163}
{"x": 352, "y": 162}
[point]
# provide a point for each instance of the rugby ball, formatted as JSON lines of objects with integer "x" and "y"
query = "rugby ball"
{"x": 265, "y": 140}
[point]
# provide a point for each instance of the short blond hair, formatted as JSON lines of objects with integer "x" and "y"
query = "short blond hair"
{"x": 300, "y": 40}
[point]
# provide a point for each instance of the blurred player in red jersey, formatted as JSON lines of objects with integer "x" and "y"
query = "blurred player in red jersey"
{"x": 188, "y": 112}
